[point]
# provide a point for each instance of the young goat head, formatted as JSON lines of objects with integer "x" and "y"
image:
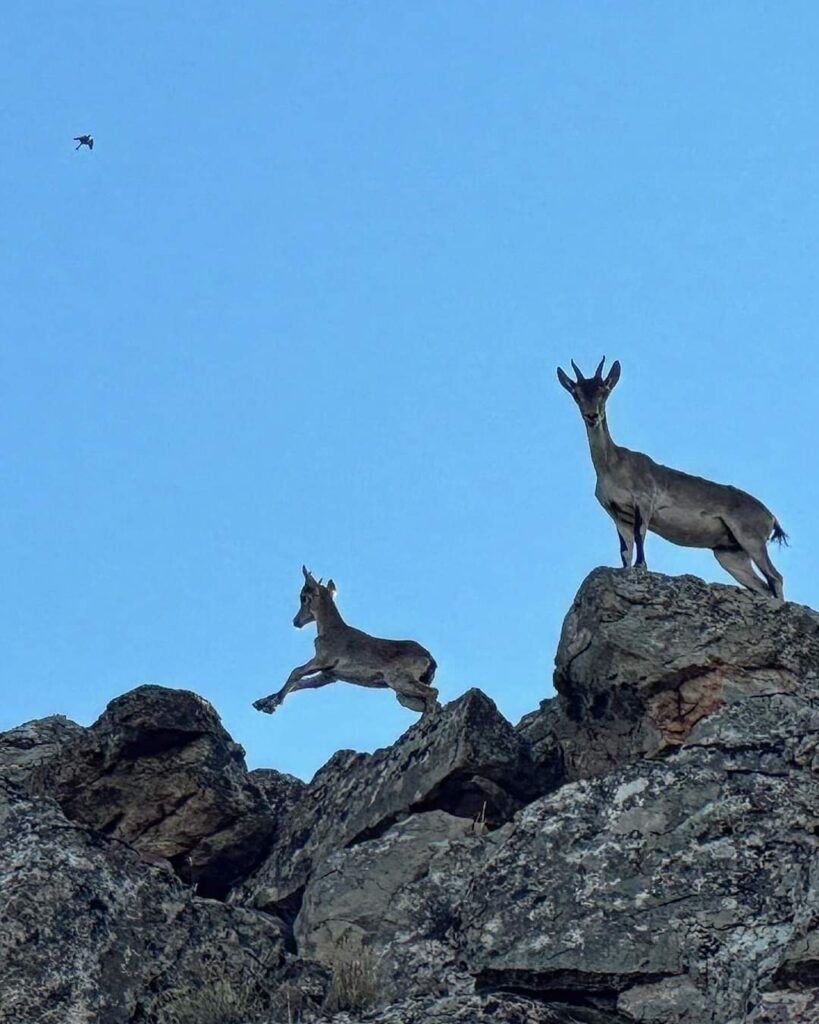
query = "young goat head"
{"x": 313, "y": 595}
{"x": 344, "y": 654}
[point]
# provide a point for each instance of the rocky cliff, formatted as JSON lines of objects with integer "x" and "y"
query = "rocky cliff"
{"x": 644, "y": 847}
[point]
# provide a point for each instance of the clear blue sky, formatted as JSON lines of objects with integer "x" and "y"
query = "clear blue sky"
{"x": 304, "y": 303}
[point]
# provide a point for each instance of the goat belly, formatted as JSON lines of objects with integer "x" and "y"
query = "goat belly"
{"x": 691, "y": 529}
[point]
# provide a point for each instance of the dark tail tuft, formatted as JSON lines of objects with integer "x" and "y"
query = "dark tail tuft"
{"x": 779, "y": 534}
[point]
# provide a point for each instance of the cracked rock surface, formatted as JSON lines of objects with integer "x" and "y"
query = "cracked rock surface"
{"x": 90, "y": 932}
{"x": 643, "y": 658}
{"x": 467, "y": 760}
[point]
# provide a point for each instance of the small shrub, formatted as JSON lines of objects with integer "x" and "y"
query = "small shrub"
{"x": 354, "y": 981}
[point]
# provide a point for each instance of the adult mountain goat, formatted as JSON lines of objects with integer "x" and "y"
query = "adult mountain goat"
{"x": 639, "y": 495}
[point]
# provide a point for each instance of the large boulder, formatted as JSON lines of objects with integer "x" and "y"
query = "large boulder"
{"x": 89, "y": 931}
{"x": 669, "y": 891}
{"x": 393, "y": 903}
{"x": 158, "y": 770}
{"x": 643, "y": 658}
{"x": 466, "y": 760}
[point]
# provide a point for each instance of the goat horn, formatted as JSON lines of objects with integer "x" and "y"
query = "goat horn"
{"x": 598, "y": 373}
{"x": 577, "y": 372}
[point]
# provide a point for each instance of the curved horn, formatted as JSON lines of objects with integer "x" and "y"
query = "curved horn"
{"x": 598, "y": 373}
{"x": 577, "y": 372}
{"x": 307, "y": 574}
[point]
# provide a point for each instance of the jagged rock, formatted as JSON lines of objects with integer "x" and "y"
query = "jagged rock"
{"x": 158, "y": 770}
{"x": 466, "y": 760}
{"x": 28, "y": 748}
{"x": 91, "y": 932}
{"x": 669, "y": 891}
{"x": 644, "y": 657}
{"x": 393, "y": 901}
{"x": 281, "y": 791}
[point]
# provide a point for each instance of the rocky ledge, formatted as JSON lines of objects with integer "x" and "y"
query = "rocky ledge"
{"x": 644, "y": 847}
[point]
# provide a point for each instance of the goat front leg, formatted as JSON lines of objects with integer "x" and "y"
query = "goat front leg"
{"x": 625, "y": 534}
{"x": 640, "y": 527}
{"x": 270, "y": 703}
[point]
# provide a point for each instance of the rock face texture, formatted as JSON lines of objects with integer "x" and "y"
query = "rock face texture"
{"x": 91, "y": 932}
{"x": 642, "y": 848}
{"x": 466, "y": 760}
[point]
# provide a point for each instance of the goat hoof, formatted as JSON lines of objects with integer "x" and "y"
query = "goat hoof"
{"x": 266, "y": 704}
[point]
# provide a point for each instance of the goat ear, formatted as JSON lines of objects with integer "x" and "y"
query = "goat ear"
{"x": 331, "y": 587}
{"x": 613, "y": 375}
{"x": 566, "y": 381}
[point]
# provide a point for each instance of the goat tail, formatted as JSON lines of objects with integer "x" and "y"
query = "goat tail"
{"x": 778, "y": 534}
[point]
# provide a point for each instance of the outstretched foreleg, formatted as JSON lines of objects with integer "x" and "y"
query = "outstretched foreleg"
{"x": 309, "y": 676}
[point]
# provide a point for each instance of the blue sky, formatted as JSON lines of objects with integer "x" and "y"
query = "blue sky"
{"x": 304, "y": 303}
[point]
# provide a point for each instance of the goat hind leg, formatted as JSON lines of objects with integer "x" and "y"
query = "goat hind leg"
{"x": 756, "y": 548}
{"x": 737, "y": 562}
{"x": 414, "y": 694}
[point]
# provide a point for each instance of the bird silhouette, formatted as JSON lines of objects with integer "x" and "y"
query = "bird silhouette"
{"x": 84, "y": 140}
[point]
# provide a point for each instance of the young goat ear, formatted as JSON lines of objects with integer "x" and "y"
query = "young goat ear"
{"x": 613, "y": 375}
{"x": 566, "y": 381}
{"x": 331, "y": 587}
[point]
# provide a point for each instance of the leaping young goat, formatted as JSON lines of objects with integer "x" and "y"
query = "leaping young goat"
{"x": 344, "y": 654}
{"x": 639, "y": 495}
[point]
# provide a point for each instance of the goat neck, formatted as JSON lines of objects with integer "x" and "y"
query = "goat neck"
{"x": 600, "y": 443}
{"x": 327, "y": 615}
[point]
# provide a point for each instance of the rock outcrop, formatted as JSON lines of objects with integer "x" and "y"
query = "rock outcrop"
{"x": 643, "y": 848}
{"x": 643, "y": 658}
{"x": 158, "y": 770}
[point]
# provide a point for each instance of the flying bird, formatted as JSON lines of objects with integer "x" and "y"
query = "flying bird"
{"x": 84, "y": 140}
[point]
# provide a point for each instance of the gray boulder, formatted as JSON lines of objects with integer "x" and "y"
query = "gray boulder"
{"x": 392, "y": 903}
{"x": 644, "y": 657}
{"x": 158, "y": 770}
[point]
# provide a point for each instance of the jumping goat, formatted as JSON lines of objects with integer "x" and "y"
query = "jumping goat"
{"x": 344, "y": 654}
{"x": 639, "y": 495}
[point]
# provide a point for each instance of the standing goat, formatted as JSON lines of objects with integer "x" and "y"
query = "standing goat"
{"x": 641, "y": 495}
{"x": 344, "y": 654}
